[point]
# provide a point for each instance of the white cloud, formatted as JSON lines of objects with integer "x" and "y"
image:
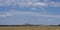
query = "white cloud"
{"x": 5, "y": 14}
{"x": 40, "y": 4}
{"x": 34, "y": 3}
{"x": 23, "y": 3}
{"x": 34, "y": 9}
{"x": 55, "y": 4}
{"x": 13, "y": 12}
{"x": 46, "y": 0}
{"x": 29, "y": 3}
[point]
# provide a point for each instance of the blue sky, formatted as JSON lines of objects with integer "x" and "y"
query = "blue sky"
{"x": 16, "y": 12}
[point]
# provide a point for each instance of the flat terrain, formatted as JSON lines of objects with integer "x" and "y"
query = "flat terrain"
{"x": 30, "y": 28}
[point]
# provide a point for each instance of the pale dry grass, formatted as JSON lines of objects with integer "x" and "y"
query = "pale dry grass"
{"x": 31, "y": 28}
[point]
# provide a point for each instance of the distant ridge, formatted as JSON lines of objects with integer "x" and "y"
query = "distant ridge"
{"x": 25, "y": 25}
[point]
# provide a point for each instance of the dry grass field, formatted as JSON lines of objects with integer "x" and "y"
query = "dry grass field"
{"x": 31, "y": 28}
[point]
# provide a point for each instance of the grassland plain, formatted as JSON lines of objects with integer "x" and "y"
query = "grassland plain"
{"x": 30, "y": 28}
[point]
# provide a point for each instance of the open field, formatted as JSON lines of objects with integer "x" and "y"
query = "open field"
{"x": 30, "y": 28}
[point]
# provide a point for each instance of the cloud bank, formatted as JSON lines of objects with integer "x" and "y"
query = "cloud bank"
{"x": 30, "y": 3}
{"x": 13, "y": 13}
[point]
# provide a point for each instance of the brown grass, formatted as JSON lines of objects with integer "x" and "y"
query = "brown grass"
{"x": 31, "y": 28}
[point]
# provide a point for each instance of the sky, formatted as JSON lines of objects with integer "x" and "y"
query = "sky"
{"x": 41, "y": 12}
